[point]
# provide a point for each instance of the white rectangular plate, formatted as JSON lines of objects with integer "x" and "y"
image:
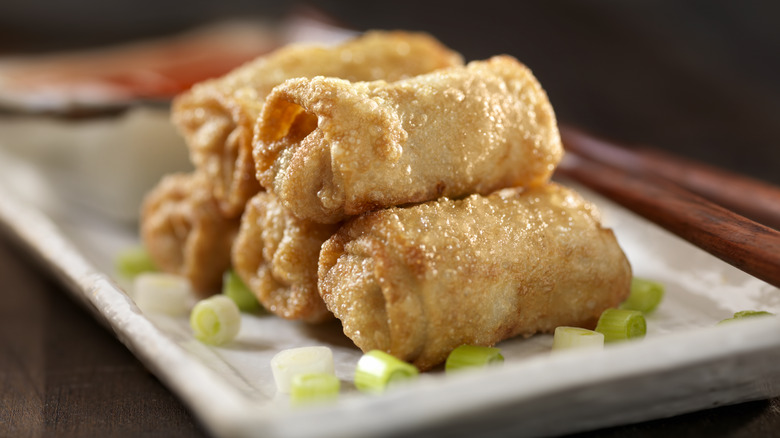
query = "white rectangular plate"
{"x": 686, "y": 362}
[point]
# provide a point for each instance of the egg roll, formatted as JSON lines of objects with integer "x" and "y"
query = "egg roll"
{"x": 453, "y": 132}
{"x": 185, "y": 233}
{"x": 276, "y": 255}
{"x": 419, "y": 281}
{"x": 217, "y": 117}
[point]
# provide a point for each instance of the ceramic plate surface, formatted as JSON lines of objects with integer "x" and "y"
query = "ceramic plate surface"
{"x": 685, "y": 363}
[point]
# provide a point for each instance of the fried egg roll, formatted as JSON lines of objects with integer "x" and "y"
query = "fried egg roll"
{"x": 276, "y": 255}
{"x": 417, "y": 282}
{"x": 453, "y": 132}
{"x": 185, "y": 232}
{"x": 217, "y": 117}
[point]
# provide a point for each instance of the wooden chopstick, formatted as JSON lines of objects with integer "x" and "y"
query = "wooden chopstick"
{"x": 741, "y": 242}
{"x": 747, "y": 196}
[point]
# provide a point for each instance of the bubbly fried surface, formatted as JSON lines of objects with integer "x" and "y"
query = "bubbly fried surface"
{"x": 453, "y": 132}
{"x": 217, "y": 117}
{"x": 276, "y": 255}
{"x": 418, "y": 282}
{"x": 185, "y": 232}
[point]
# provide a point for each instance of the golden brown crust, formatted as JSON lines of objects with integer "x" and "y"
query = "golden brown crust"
{"x": 276, "y": 255}
{"x": 217, "y": 117}
{"x": 418, "y": 282}
{"x": 453, "y": 132}
{"x": 185, "y": 232}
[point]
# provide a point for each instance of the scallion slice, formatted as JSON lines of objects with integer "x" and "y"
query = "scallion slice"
{"x": 621, "y": 325}
{"x": 287, "y": 364}
{"x": 235, "y": 288}
{"x": 472, "y": 356}
{"x": 215, "y": 320}
{"x": 751, "y": 314}
{"x": 133, "y": 261}
{"x": 376, "y": 370}
{"x": 157, "y": 292}
{"x": 743, "y": 314}
{"x": 645, "y": 295}
{"x": 314, "y": 388}
{"x": 566, "y": 338}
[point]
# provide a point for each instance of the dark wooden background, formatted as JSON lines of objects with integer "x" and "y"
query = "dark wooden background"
{"x": 697, "y": 78}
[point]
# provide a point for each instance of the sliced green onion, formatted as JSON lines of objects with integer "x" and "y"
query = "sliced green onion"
{"x": 235, "y": 288}
{"x": 621, "y": 324}
{"x": 645, "y": 295}
{"x": 215, "y": 320}
{"x": 743, "y": 314}
{"x": 472, "y": 356}
{"x": 566, "y": 338}
{"x": 287, "y": 364}
{"x": 313, "y": 388}
{"x": 133, "y": 261}
{"x": 157, "y": 292}
{"x": 376, "y": 370}
{"x": 751, "y": 313}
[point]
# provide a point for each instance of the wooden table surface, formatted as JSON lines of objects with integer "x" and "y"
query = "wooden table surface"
{"x": 698, "y": 78}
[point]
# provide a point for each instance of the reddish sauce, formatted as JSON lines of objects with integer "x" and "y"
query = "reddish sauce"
{"x": 154, "y": 70}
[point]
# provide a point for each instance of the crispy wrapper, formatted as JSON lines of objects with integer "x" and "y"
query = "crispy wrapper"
{"x": 418, "y": 282}
{"x": 453, "y": 132}
{"x": 185, "y": 232}
{"x": 275, "y": 253}
{"x": 217, "y": 117}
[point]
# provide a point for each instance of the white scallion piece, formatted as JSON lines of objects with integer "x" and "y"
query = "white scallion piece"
{"x": 287, "y": 364}
{"x": 567, "y": 338}
{"x": 157, "y": 292}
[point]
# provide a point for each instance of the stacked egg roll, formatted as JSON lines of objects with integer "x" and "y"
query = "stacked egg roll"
{"x": 276, "y": 254}
{"x": 216, "y": 118}
{"x": 418, "y": 282}
{"x": 331, "y": 148}
{"x": 185, "y": 233}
